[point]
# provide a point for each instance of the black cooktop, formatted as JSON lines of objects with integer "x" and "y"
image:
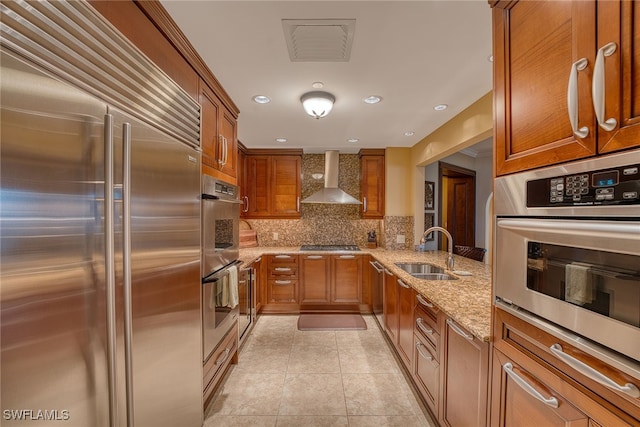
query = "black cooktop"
{"x": 329, "y": 248}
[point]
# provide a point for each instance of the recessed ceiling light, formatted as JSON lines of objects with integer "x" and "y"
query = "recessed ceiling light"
{"x": 261, "y": 99}
{"x": 440, "y": 107}
{"x": 353, "y": 140}
{"x": 372, "y": 99}
{"x": 281, "y": 139}
{"x": 317, "y": 85}
{"x": 409, "y": 133}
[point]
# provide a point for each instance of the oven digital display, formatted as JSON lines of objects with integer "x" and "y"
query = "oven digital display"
{"x": 604, "y": 179}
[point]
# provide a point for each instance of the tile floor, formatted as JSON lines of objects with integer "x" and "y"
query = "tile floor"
{"x": 287, "y": 377}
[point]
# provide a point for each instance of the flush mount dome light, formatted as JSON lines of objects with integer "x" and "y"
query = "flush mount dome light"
{"x": 372, "y": 99}
{"x": 317, "y": 104}
{"x": 261, "y": 99}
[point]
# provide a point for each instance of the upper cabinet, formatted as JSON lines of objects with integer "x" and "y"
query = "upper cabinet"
{"x": 566, "y": 81}
{"x": 271, "y": 184}
{"x": 218, "y": 137}
{"x": 372, "y": 181}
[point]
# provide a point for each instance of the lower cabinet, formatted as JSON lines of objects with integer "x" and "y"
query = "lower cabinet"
{"x": 426, "y": 372}
{"x": 214, "y": 367}
{"x": 259, "y": 286}
{"x": 406, "y": 304}
{"x": 314, "y": 279}
{"x": 282, "y": 279}
{"x": 346, "y": 279}
{"x": 391, "y": 305}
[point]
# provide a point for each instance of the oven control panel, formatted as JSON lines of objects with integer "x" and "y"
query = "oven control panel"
{"x": 616, "y": 186}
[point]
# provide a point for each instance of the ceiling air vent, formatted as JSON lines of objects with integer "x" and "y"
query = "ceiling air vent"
{"x": 319, "y": 40}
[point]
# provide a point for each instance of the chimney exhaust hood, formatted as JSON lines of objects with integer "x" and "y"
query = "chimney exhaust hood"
{"x": 331, "y": 194}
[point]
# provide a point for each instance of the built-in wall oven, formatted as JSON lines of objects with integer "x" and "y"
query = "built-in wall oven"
{"x": 568, "y": 253}
{"x": 221, "y": 293}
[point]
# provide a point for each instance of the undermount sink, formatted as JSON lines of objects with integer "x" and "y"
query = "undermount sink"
{"x": 425, "y": 271}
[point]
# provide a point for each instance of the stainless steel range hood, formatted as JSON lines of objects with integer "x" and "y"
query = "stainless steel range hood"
{"x": 331, "y": 194}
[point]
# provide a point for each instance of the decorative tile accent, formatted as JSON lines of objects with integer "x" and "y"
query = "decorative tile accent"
{"x": 395, "y": 225}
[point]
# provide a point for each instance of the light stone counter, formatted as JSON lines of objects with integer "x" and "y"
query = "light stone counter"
{"x": 466, "y": 300}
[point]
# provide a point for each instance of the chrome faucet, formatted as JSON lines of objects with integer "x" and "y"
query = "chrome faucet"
{"x": 450, "y": 239}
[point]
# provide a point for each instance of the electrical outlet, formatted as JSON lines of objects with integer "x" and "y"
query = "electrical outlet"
{"x": 275, "y": 236}
{"x": 400, "y": 238}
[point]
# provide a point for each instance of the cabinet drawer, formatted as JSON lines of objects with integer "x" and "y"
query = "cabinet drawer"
{"x": 283, "y": 290}
{"x": 283, "y": 258}
{"x": 425, "y": 326}
{"x": 427, "y": 371}
{"x": 216, "y": 364}
{"x": 429, "y": 312}
{"x": 290, "y": 270}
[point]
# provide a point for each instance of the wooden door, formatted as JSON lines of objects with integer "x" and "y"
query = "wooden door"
{"x": 406, "y": 303}
{"x": 314, "y": 279}
{"x": 285, "y": 186}
{"x": 372, "y": 182}
{"x": 346, "y": 279}
{"x": 461, "y": 210}
{"x": 535, "y": 46}
{"x": 618, "y": 24}
{"x": 258, "y": 184}
{"x": 513, "y": 406}
{"x": 465, "y": 378}
{"x": 391, "y": 305}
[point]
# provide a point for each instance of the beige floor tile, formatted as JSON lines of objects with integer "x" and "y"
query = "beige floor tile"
{"x": 313, "y": 359}
{"x": 386, "y": 421}
{"x": 312, "y": 394}
{"x": 248, "y": 393}
{"x": 368, "y": 360}
{"x": 311, "y": 421}
{"x": 324, "y": 338}
{"x": 240, "y": 421}
{"x": 264, "y": 359}
{"x": 359, "y": 338}
{"x": 376, "y": 394}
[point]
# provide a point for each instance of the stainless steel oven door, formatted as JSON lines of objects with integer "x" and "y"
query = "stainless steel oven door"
{"x": 220, "y": 307}
{"x": 583, "y": 275}
{"x": 220, "y": 233}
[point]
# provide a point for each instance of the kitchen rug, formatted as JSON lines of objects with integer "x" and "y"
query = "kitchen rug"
{"x": 331, "y": 322}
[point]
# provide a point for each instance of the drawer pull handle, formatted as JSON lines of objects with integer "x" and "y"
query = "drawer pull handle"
{"x": 375, "y": 265}
{"x": 426, "y": 356}
{"x": 588, "y": 371}
{"x": 424, "y": 302}
{"x": 458, "y": 330}
{"x": 572, "y": 98}
{"x": 552, "y": 401}
{"x": 223, "y": 357}
{"x": 283, "y": 256}
{"x": 315, "y": 257}
{"x": 404, "y": 285}
{"x": 388, "y": 272}
{"x": 420, "y": 324}
{"x": 283, "y": 282}
{"x": 347, "y": 256}
{"x": 597, "y": 87}
{"x": 282, "y": 269}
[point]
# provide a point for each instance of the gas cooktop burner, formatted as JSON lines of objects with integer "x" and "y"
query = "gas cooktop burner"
{"x": 329, "y": 248}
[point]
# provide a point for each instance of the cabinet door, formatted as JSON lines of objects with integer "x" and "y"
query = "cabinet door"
{"x": 314, "y": 279}
{"x": 465, "y": 378}
{"x": 512, "y": 396}
{"x": 618, "y": 24}
{"x": 283, "y": 290}
{"x": 285, "y": 186}
{"x": 259, "y": 284}
{"x": 229, "y": 141}
{"x": 209, "y": 141}
{"x": 258, "y": 182}
{"x": 391, "y": 305}
{"x": 346, "y": 279}
{"x": 406, "y": 304}
{"x": 536, "y": 44}
{"x": 372, "y": 176}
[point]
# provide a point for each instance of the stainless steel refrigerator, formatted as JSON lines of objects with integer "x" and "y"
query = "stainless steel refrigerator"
{"x": 100, "y": 262}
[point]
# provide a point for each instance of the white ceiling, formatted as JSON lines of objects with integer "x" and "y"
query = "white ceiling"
{"x": 414, "y": 54}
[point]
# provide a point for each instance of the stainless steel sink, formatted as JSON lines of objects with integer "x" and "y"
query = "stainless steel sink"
{"x": 425, "y": 271}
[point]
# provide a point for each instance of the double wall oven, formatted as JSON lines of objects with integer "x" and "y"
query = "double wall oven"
{"x": 222, "y": 282}
{"x": 568, "y": 251}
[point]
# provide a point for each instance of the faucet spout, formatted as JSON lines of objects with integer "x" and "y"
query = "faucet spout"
{"x": 449, "y": 240}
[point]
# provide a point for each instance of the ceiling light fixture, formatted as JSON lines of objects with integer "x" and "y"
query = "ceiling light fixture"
{"x": 409, "y": 133}
{"x": 281, "y": 139}
{"x": 440, "y": 107}
{"x": 261, "y": 99}
{"x": 317, "y": 104}
{"x": 372, "y": 99}
{"x": 353, "y": 140}
{"x": 317, "y": 85}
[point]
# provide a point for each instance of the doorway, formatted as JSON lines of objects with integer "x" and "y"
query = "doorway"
{"x": 457, "y": 187}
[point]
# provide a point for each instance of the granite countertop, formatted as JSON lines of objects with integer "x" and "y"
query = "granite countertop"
{"x": 466, "y": 300}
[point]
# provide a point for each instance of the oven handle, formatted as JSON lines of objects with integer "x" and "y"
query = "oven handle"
{"x": 595, "y": 375}
{"x": 214, "y": 277}
{"x": 619, "y": 230}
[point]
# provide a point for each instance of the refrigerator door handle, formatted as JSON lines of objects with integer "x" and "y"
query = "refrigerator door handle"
{"x": 110, "y": 280}
{"x": 126, "y": 234}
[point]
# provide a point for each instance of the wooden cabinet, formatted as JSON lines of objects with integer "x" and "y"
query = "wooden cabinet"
{"x": 282, "y": 279}
{"x": 214, "y": 367}
{"x": 346, "y": 279}
{"x": 259, "y": 285}
{"x": 331, "y": 281}
{"x": 464, "y": 378}
{"x": 426, "y": 356}
{"x": 218, "y": 137}
{"x": 272, "y": 184}
{"x": 391, "y": 305}
{"x": 399, "y": 302}
{"x": 372, "y": 183}
{"x": 545, "y": 56}
{"x": 314, "y": 279}
{"x": 524, "y": 360}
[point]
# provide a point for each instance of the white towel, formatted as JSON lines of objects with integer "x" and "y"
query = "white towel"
{"x": 578, "y": 286}
{"x": 233, "y": 299}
